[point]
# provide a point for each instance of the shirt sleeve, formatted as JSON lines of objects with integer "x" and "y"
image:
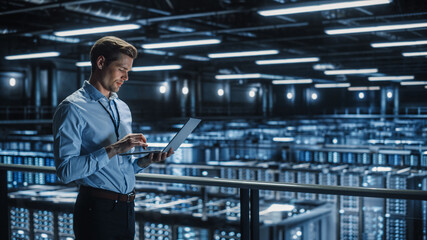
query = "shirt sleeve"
{"x": 67, "y": 132}
{"x": 136, "y": 167}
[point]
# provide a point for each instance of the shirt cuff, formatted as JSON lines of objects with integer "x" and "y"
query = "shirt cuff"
{"x": 136, "y": 167}
{"x": 101, "y": 157}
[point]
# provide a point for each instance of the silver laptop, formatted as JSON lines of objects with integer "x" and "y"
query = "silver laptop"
{"x": 177, "y": 140}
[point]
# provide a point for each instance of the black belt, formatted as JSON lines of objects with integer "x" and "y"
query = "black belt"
{"x": 101, "y": 193}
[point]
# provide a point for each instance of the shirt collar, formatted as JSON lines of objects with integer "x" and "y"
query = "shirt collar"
{"x": 95, "y": 94}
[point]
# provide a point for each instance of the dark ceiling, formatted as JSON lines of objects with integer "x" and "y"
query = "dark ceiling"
{"x": 28, "y": 26}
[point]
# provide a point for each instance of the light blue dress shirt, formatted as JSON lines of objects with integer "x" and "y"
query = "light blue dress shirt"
{"x": 82, "y": 129}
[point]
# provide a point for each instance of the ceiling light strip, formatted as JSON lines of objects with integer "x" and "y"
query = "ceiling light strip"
{"x": 84, "y": 31}
{"x": 377, "y": 28}
{"x": 181, "y": 43}
{"x": 156, "y": 68}
{"x": 398, "y": 44}
{"x": 391, "y": 78}
{"x": 322, "y": 7}
{"x": 287, "y": 61}
{"x": 243, "y": 54}
{"x": 332, "y": 85}
{"x": 369, "y": 88}
{"x": 293, "y": 81}
{"x": 84, "y": 64}
{"x": 32, "y": 55}
{"x": 413, "y": 83}
{"x": 238, "y": 76}
{"x": 351, "y": 71}
{"x": 414, "y": 54}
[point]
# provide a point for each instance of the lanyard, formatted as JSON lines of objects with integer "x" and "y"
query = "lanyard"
{"x": 116, "y": 127}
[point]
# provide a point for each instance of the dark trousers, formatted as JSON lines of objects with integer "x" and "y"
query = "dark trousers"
{"x": 99, "y": 218}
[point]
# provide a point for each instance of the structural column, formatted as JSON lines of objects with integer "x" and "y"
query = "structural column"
{"x": 396, "y": 100}
{"x": 36, "y": 90}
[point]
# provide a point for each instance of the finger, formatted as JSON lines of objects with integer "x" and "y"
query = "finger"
{"x": 150, "y": 157}
{"x": 159, "y": 157}
{"x": 170, "y": 152}
{"x": 164, "y": 155}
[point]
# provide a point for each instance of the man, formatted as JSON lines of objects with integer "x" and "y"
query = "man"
{"x": 91, "y": 127}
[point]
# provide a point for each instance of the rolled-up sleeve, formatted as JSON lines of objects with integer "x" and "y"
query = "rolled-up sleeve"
{"x": 67, "y": 133}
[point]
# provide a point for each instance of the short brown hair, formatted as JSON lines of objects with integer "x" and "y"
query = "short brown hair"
{"x": 110, "y": 47}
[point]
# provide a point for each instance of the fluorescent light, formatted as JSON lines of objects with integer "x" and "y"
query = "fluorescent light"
{"x": 398, "y": 44}
{"x": 377, "y": 28}
{"x": 332, "y": 85}
{"x": 238, "y": 76}
{"x": 381, "y": 169}
{"x": 391, "y": 78}
{"x": 293, "y": 81}
{"x": 286, "y": 61}
{"x": 59, "y": 39}
{"x": 180, "y": 43}
{"x": 32, "y": 55}
{"x": 370, "y": 88}
{"x": 243, "y": 54}
{"x": 246, "y": 76}
{"x": 156, "y": 68}
{"x": 84, "y": 64}
{"x": 283, "y": 139}
{"x": 414, "y": 54}
{"x": 351, "y": 71}
{"x": 84, "y": 31}
{"x": 413, "y": 83}
{"x": 195, "y": 58}
{"x": 322, "y": 7}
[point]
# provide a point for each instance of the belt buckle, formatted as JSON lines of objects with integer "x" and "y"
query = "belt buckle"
{"x": 129, "y": 196}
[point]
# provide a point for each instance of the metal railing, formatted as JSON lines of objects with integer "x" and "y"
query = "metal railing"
{"x": 249, "y": 193}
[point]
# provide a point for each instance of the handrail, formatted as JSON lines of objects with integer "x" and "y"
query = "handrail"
{"x": 259, "y": 185}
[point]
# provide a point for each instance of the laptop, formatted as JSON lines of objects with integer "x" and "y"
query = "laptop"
{"x": 176, "y": 141}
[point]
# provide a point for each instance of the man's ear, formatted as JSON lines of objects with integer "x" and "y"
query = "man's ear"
{"x": 100, "y": 62}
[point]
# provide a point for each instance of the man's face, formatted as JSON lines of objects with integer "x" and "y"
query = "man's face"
{"x": 116, "y": 73}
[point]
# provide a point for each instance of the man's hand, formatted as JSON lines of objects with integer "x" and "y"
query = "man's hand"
{"x": 154, "y": 157}
{"x": 125, "y": 144}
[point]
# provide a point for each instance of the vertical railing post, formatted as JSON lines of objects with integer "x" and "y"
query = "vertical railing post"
{"x": 244, "y": 213}
{"x": 4, "y": 209}
{"x": 254, "y": 214}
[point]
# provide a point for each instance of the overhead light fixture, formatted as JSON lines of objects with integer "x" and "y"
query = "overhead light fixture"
{"x": 351, "y": 71}
{"x": 195, "y": 58}
{"x": 414, "y": 54}
{"x": 246, "y": 76}
{"x": 425, "y": 86}
{"x": 32, "y": 55}
{"x": 243, "y": 54}
{"x": 293, "y": 81}
{"x": 59, "y": 39}
{"x": 84, "y": 64}
{"x": 398, "y": 44}
{"x": 376, "y": 28}
{"x": 156, "y": 68}
{"x": 332, "y": 85}
{"x": 283, "y": 139}
{"x": 287, "y": 61}
{"x": 413, "y": 83}
{"x": 391, "y": 78}
{"x": 303, "y": 8}
{"x": 364, "y": 88}
{"x": 93, "y": 30}
{"x": 181, "y": 43}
